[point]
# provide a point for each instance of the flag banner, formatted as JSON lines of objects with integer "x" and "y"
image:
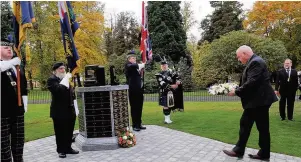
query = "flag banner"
{"x": 23, "y": 18}
{"x": 69, "y": 27}
{"x": 145, "y": 42}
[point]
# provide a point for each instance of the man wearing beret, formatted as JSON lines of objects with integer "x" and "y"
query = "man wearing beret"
{"x": 133, "y": 77}
{"x": 62, "y": 109}
{"x": 12, "y": 115}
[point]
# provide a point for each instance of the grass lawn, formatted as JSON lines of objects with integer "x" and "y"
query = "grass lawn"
{"x": 214, "y": 120}
{"x": 45, "y": 95}
{"x": 38, "y": 123}
{"x": 37, "y": 94}
{"x": 194, "y": 93}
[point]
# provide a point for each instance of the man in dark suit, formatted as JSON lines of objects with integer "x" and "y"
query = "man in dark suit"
{"x": 12, "y": 115}
{"x": 286, "y": 86}
{"x": 134, "y": 80}
{"x": 62, "y": 109}
{"x": 256, "y": 95}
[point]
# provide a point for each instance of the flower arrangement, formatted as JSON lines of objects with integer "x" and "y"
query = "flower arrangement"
{"x": 126, "y": 138}
{"x": 222, "y": 89}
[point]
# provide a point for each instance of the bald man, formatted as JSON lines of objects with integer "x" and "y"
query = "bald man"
{"x": 257, "y": 96}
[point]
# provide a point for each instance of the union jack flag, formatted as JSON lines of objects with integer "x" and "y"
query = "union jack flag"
{"x": 145, "y": 42}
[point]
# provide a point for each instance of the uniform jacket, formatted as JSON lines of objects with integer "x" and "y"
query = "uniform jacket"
{"x": 62, "y": 99}
{"x": 133, "y": 76}
{"x": 9, "y": 99}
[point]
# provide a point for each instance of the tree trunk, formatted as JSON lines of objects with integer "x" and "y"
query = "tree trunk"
{"x": 30, "y": 79}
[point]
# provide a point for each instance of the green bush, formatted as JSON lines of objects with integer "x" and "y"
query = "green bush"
{"x": 216, "y": 61}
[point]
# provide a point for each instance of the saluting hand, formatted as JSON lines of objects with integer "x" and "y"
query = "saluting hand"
{"x": 15, "y": 61}
{"x": 68, "y": 75}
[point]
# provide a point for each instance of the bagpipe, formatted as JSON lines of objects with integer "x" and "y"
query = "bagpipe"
{"x": 173, "y": 95}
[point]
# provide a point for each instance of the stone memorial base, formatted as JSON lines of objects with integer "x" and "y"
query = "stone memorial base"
{"x": 96, "y": 144}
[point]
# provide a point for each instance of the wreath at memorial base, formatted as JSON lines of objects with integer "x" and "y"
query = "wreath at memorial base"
{"x": 126, "y": 138}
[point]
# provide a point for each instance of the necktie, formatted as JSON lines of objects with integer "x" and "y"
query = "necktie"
{"x": 288, "y": 74}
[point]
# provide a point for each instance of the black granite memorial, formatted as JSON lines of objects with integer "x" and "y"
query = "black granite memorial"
{"x": 103, "y": 110}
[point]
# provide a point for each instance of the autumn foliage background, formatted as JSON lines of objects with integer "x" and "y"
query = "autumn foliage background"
{"x": 272, "y": 29}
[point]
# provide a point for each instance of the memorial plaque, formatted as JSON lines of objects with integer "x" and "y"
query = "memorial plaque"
{"x": 103, "y": 110}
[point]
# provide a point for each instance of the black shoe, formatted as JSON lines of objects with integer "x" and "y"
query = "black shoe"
{"x": 72, "y": 151}
{"x": 282, "y": 119}
{"x": 62, "y": 155}
{"x": 136, "y": 129}
{"x": 142, "y": 127}
{"x": 259, "y": 157}
{"x": 291, "y": 119}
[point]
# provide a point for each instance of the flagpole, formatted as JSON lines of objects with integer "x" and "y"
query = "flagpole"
{"x": 142, "y": 43}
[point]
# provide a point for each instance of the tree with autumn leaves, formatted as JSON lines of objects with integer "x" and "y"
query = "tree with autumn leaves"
{"x": 279, "y": 21}
{"x": 100, "y": 44}
{"x": 45, "y": 40}
{"x": 46, "y": 47}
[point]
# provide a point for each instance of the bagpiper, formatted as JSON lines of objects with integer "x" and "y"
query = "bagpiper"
{"x": 169, "y": 82}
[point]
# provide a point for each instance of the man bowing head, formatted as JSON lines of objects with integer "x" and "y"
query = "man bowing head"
{"x": 257, "y": 95}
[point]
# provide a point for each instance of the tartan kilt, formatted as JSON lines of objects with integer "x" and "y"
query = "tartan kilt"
{"x": 163, "y": 101}
{"x": 12, "y": 138}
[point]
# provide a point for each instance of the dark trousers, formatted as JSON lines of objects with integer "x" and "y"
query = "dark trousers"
{"x": 63, "y": 129}
{"x": 260, "y": 116}
{"x": 12, "y": 138}
{"x": 288, "y": 99}
{"x": 136, "y": 103}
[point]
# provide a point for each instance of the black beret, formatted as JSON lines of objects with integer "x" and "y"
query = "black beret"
{"x": 131, "y": 54}
{"x": 6, "y": 42}
{"x": 163, "y": 62}
{"x": 57, "y": 65}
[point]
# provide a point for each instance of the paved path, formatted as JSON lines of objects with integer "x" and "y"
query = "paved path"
{"x": 157, "y": 144}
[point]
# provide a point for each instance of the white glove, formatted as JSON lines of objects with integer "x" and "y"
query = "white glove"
{"x": 15, "y": 61}
{"x": 4, "y": 65}
{"x": 25, "y": 102}
{"x": 141, "y": 66}
{"x": 75, "y": 107}
{"x": 68, "y": 75}
{"x": 65, "y": 80}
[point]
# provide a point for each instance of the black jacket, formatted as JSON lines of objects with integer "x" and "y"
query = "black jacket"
{"x": 133, "y": 77}
{"x": 165, "y": 79}
{"x": 282, "y": 85}
{"x": 62, "y": 99}
{"x": 9, "y": 100}
{"x": 255, "y": 89}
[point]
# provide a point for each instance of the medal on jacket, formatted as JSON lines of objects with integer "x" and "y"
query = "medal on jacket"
{"x": 12, "y": 82}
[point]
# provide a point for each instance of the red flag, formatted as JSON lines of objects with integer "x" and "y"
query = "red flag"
{"x": 145, "y": 43}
